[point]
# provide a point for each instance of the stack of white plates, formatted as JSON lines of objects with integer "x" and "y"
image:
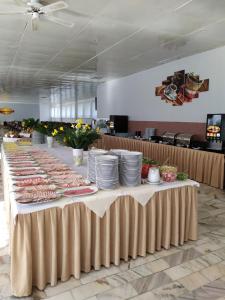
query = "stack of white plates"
{"x": 91, "y": 162}
{"x": 130, "y": 168}
{"x": 118, "y": 152}
{"x": 107, "y": 172}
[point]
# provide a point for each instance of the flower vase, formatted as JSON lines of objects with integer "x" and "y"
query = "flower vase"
{"x": 50, "y": 141}
{"x": 78, "y": 156}
{"x": 37, "y": 137}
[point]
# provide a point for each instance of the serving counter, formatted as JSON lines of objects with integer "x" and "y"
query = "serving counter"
{"x": 202, "y": 166}
{"x": 55, "y": 241}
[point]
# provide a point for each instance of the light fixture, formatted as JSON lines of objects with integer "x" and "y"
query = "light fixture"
{"x": 35, "y": 16}
{"x": 6, "y": 110}
{"x": 34, "y": 20}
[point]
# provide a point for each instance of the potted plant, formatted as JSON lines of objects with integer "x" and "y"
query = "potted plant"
{"x": 146, "y": 165}
{"x": 31, "y": 126}
{"x": 79, "y": 137}
{"x": 48, "y": 129}
{"x": 102, "y": 125}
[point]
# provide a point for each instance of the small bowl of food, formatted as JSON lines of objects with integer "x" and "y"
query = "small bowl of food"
{"x": 169, "y": 176}
{"x": 168, "y": 173}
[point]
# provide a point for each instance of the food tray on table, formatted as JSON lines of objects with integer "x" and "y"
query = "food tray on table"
{"x": 27, "y": 172}
{"x": 80, "y": 191}
{"x": 22, "y": 159}
{"x": 72, "y": 175}
{"x": 26, "y": 164}
{"x": 58, "y": 168}
{"x": 31, "y": 181}
{"x": 38, "y": 197}
{"x": 52, "y": 173}
{"x": 22, "y": 167}
{"x": 47, "y": 161}
{"x": 35, "y": 188}
{"x": 72, "y": 183}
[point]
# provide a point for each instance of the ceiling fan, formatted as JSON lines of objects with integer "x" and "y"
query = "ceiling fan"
{"x": 36, "y": 10}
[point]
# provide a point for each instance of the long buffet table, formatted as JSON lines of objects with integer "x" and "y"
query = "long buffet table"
{"x": 72, "y": 235}
{"x": 202, "y": 166}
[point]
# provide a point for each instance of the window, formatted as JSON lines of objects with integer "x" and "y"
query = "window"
{"x": 86, "y": 108}
{"x": 63, "y": 105}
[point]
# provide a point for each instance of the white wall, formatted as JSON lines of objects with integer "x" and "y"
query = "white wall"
{"x": 25, "y": 102}
{"x": 135, "y": 95}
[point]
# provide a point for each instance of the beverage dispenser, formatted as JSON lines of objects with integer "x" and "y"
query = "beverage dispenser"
{"x": 215, "y": 131}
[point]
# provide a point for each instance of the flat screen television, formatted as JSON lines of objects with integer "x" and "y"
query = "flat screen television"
{"x": 120, "y": 123}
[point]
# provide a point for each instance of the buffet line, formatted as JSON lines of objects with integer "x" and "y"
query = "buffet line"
{"x": 202, "y": 166}
{"x": 64, "y": 222}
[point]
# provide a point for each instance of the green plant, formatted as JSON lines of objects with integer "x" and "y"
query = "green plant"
{"x": 102, "y": 124}
{"x": 182, "y": 176}
{"x": 78, "y": 136}
{"x": 147, "y": 161}
{"x": 30, "y": 124}
{"x": 46, "y": 128}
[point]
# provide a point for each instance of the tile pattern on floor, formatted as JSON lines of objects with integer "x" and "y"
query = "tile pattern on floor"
{"x": 194, "y": 271}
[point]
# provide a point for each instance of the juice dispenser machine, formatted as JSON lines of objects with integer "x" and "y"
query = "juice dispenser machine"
{"x": 215, "y": 132}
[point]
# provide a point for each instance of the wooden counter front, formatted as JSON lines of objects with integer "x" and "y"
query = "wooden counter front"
{"x": 202, "y": 166}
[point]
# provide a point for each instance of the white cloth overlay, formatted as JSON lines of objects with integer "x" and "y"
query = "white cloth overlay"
{"x": 99, "y": 202}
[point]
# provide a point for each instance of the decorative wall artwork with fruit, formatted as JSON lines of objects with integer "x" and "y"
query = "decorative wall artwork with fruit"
{"x": 181, "y": 87}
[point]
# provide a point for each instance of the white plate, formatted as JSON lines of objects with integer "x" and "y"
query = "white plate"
{"x": 30, "y": 176}
{"x": 155, "y": 183}
{"x": 93, "y": 188}
{"x": 40, "y": 202}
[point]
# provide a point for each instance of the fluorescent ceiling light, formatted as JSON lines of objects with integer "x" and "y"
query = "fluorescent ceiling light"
{"x": 183, "y": 5}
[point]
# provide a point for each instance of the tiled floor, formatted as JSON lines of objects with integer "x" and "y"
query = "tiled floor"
{"x": 193, "y": 271}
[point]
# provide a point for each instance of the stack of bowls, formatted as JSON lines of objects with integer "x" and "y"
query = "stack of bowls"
{"x": 91, "y": 162}
{"x": 130, "y": 168}
{"x": 107, "y": 172}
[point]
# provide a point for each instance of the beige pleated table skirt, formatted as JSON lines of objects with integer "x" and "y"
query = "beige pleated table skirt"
{"x": 56, "y": 243}
{"x": 202, "y": 166}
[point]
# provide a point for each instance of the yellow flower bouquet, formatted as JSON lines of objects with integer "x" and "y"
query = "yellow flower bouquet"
{"x": 47, "y": 128}
{"x": 78, "y": 136}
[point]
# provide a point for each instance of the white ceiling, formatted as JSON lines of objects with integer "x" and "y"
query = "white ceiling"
{"x": 114, "y": 38}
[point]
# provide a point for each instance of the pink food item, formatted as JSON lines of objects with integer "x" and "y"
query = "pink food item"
{"x": 58, "y": 172}
{"x": 45, "y": 156}
{"x": 67, "y": 176}
{"x": 22, "y": 164}
{"x": 18, "y": 154}
{"x": 26, "y": 172}
{"x": 47, "y": 161}
{"x": 40, "y": 196}
{"x": 169, "y": 176}
{"x": 73, "y": 183}
{"x": 58, "y": 167}
{"x": 21, "y": 169}
{"x": 78, "y": 192}
{"x": 35, "y": 188}
{"x": 36, "y": 152}
{"x": 18, "y": 159}
{"x": 32, "y": 181}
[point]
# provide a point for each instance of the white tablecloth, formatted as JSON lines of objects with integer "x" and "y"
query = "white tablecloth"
{"x": 99, "y": 202}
